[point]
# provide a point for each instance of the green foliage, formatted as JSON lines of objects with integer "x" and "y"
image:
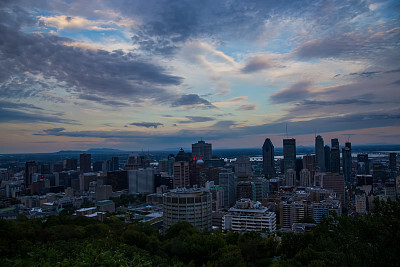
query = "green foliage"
{"x": 369, "y": 240}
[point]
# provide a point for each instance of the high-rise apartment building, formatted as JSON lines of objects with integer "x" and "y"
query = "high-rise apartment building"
{"x": 319, "y": 153}
{"x": 268, "y": 158}
{"x": 347, "y": 163}
{"x": 249, "y": 216}
{"x": 85, "y": 162}
{"x": 181, "y": 174}
{"x": 202, "y": 150}
{"x": 335, "y": 156}
{"x": 305, "y": 178}
{"x": 289, "y": 154}
{"x": 291, "y": 213}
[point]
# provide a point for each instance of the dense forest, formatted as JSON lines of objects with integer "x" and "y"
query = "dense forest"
{"x": 369, "y": 240}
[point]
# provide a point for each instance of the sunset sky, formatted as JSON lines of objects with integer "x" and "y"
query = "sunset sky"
{"x": 136, "y": 75}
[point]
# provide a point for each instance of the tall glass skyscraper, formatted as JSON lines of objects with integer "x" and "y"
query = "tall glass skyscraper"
{"x": 289, "y": 154}
{"x": 335, "y": 156}
{"x": 268, "y": 158}
{"x": 319, "y": 153}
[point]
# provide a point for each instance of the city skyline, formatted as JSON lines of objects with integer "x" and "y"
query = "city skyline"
{"x": 78, "y": 75}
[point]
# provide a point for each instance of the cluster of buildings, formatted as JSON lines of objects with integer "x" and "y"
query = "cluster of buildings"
{"x": 291, "y": 192}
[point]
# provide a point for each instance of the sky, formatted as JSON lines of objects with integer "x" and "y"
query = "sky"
{"x": 155, "y": 75}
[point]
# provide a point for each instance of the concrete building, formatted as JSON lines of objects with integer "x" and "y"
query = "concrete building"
{"x": 181, "y": 174}
{"x": 335, "y": 183}
{"x": 202, "y": 150}
{"x": 249, "y": 216}
{"x": 318, "y": 210}
{"x": 305, "y": 178}
{"x": 362, "y": 164}
{"x": 261, "y": 187}
{"x": 85, "y": 163}
{"x": 242, "y": 167}
{"x": 192, "y": 205}
{"x": 291, "y": 213}
{"x": 290, "y": 177}
{"x": 141, "y": 181}
{"x": 246, "y": 189}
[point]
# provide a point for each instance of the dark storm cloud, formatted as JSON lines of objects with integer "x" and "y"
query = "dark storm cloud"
{"x": 256, "y": 65}
{"x": 194, "y": 119}
{"x": 147, "y": 124}
{"x": 192, "y": 99}
{"x": 295, "y": 92}
{"x": 16, "y": 116}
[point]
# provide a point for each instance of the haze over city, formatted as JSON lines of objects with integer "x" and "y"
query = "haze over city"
{"x": 136, "y": 75}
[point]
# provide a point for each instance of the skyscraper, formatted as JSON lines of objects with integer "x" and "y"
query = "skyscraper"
{"x": 85, "y": 162}
{"x": 392, "y": 162}
{"x": 362, "y": 164}
{"x": 228, "y": 183}
{"x": 30, "y": 168}
{"x": 327, "y": 152}
{"x": 289, "y": 154}
{"x": 114, "y": 163}
{"x": 347, "y": 162}
{"x": 319, "y": 153}
{"x": 268, "y": 158}
{"x": 202, "y": 150}
{"x": 335, "y": 156}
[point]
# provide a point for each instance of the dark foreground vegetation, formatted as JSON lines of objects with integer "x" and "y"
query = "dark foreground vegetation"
{"x": 371, "y": 240}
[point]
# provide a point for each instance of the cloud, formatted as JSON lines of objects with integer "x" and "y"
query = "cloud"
{"x": 246, "y": 107}
{"x": 30, "y": 59}
{"x": 147, "y": 124}
{"x": 194, "y": 119}
{"x": 192, "y": 100}
{"x": 75, "y": 23}
{"x": 256, "y": 64}
{"x": 103, "y": 100}
{"x": 16, "y": 116}
{"x": 11, "y": 105}
{"x": 238, "y": 98}
{"x": 296, "y": 92}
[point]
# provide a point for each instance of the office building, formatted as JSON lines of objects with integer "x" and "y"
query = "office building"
{"x": 246, "y": 189}
{"x": 192, "y": 205}
{"x": 228, "y": 182}
{"x": 268, "y": 158}
{"x": 289, "y": 154}
{"x": 85, "y": 163}
{"x": 290, "y": 177}
{"x": 114, "y": 164}
{"x": 335, "y": 156}
{"x": 202, "y": 150}
{"x": 261, "y": 187}
{"x": 118, "y": 180}
{"x": 319, "y": 153}
{"x": 393, "y": 162}
{"x": 243, "y": 169}
{"x": 249, "y": 216}
{"x": 30, "y": 169}
{"x": 141, "y": 181}
{"x": 97, "y": 166}
{"x": 71, "y": 164}
{"x": 347, "y": 163}
{"x": 362, "y": 164}
{"x": 335, "y": 183}
{"x": 327, "y": 152}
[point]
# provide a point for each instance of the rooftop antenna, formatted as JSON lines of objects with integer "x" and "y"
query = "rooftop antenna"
{"x": 286, "y": 131}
